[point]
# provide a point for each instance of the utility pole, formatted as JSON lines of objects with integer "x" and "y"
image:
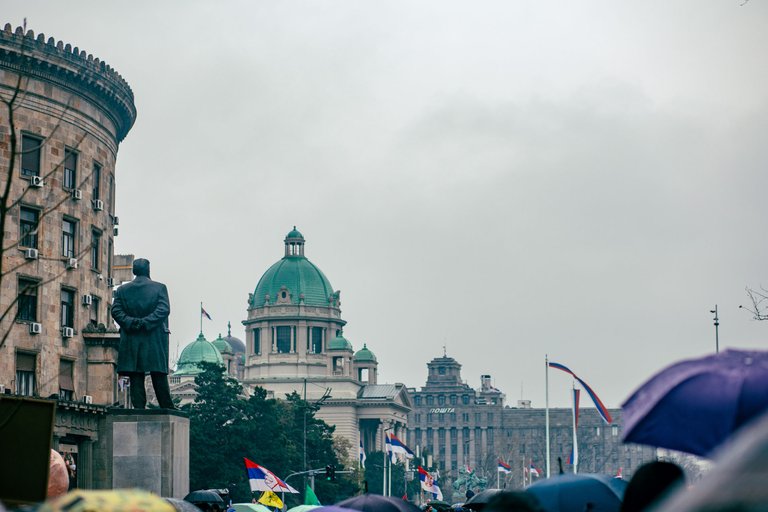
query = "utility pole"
{"x": 717, "y": 326}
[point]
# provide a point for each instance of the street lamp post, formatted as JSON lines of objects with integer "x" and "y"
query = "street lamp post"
{"x": 717, "y": 326}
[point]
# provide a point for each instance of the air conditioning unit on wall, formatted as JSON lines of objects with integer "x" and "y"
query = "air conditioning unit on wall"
{"x": 71, "y": 263}
{"x": 35, "y": 328}
{"x": 67, "y": 332}
{"x": 98, "y": 205}
{"x": 87, "y": 300}
{"x": 87, "y": 399}
{"x": 36, "y": 181}
{"x": 31, "y": 254}
{"x": 77, "y": 194}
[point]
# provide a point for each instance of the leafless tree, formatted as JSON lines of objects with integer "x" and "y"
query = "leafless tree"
{"x": 759, "y": 303}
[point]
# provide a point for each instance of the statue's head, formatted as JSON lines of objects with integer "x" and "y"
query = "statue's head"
{"x": 141, "y": 267}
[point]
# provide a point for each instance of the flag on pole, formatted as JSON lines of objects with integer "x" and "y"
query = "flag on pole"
{"x": 467, "y": 468}
{"x": 399, "y": 447}
{"x": 602, "y": 410}
{"x": 270, "y": 499}
{"x": 204, "y": 313}
{"x": 262, "y": 479}
{"x": 388, "y": 449}
{"x": 533, "y": 471}
{"x": 362, "y": 454}
{"x": 429, "y": 484}
{"x": 310, "y": 498}
{"x": 504, "y": 467}
{"x": 573, "y": 458}
{"x": 619, "y": 475}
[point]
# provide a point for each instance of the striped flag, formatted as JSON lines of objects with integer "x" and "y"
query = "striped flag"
{"x": 602, "y": 410}
{"x": 362, "y": 453}
{"x": 504, "y": 467}
{"x": 204, "y": 313}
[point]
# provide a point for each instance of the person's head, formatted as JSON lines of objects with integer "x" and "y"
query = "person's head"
{"x": 649, "y": 483}
{"x": 513, "y": 501}
{"x": 141, "y": 267}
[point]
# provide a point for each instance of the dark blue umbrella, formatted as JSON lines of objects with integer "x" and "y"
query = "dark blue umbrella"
{"x": 376, "y": 503}
{"x": 577, "y": 493}
{"x": 695, "y": 405}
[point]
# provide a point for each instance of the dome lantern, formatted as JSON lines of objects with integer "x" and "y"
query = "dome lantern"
{"x": 294, "y": 243}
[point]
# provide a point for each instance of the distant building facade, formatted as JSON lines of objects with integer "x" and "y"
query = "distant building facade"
{"x": 460, "y": 427}
{"x": 70, "y": 117}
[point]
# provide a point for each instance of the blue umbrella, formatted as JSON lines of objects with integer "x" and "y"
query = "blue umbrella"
{"x": 577, "y": 493}
{"x": 695, "y": 405}
{"x": 376, "y": 503}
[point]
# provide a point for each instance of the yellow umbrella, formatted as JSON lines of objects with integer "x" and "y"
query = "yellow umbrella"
{"x": 120, "y": 500}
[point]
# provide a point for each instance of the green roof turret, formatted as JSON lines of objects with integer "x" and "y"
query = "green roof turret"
{"x": 364, "y": 355}
{"x": 340, "y": 343}
{"x": 222, "y": 345}
{"x": 200, "y": 350}
{"x": 294, "y": 280}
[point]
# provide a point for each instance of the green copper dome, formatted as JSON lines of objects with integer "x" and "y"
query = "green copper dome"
{"x": 294, "y": 233}
{"x": 222, "y": 345}
{"x": 339, "y": 343}
{"x": 196, "y": 352}
{"x": 296, "y": 277}
{"x": 364, "y": 355}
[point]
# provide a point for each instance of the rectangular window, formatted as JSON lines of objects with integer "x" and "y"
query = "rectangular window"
{"x": 96, "y": 177}
{"x": 109, "y": 257}
{"x": 454, "y": 399}
{"x": 257, "y": 341}
{"x": 93, "y": 313}
{"x": 27, "y": 304}
{"x": 66, "y": 380}
{"x": 25, "y": 374}
{"x": 70, "y": 169}
{"x": 283, "y": 343}
{"x": 95, "y": 249}
{"x": 67, "y": 308}
{"x": 465, "y": 399}
{"x": 441, "y": 400}
{"x": 490, "y": 417}
{"x": 68, "y": 231}
{"x": 28, "y": 224}
{"x": 465, "y": 417}
{"x": 111, "y": 197}
{"x": 30, "y": 155}
{"x": 417, "y": 418}
{"x": 316, "y": 346}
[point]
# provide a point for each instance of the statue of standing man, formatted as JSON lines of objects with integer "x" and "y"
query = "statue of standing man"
{"x": 141, "y": 309}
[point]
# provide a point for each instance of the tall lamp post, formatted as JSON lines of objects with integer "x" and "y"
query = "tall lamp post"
{"x": 717, "y": 326}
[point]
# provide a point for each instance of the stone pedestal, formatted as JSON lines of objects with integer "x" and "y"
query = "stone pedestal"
{"x": 145, "y": 448}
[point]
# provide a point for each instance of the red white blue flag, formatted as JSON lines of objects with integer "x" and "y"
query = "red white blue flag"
{"x": 602, "y": 410}
{"x": 397, "y": 446}
{"x": 204, "y": 313}
{"x": 262, "y": 479}
{"x": 504, "y": 467}
{"x": 429, "y": 484}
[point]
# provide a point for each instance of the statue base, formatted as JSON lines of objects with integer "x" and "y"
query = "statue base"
{"x": 145, "y": 448}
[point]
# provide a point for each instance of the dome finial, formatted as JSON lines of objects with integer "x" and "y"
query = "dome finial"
{"x": 294, "y": 243}
{"x": 229, "y": 328}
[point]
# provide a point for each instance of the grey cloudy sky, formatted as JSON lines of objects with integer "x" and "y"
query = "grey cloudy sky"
{"x": 583, "y": 179}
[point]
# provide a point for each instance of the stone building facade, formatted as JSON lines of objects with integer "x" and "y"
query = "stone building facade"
{"x": 459, "y": 427}
{"x": 295, "y": 343}
{"x": 72, "y": 112}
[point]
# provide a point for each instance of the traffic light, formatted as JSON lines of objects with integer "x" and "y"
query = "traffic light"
{"x": 330, "y": 472}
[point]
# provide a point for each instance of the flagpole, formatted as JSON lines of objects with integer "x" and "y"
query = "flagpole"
{"x": 498, "y": 478}
{"x": 201, "y": 318}
{"x": 575, "y": 460}
{"x": 546, "y": 405}
{"x": 386, "y": 456}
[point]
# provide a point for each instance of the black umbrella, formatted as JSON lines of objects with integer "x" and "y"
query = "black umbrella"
{"x": 481, "y": 499}
{"x": 181, "y": 505}
{"x": 203, "y": 496}
{"x": 576, "y": 493}
{"x": 440, "y": 506}
{"x": 378, "y": 503}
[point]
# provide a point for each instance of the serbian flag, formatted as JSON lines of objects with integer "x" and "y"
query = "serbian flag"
{"x": 602, "y": 410}
{"x": 504, "y": 467}
{"x": 262, "y": 479}
{"x": 533, "y": 471}
{"x": 362, "y": 454}
{"x": 204, "y": 313}
{"x": 429, "y": 484}
{"x": 397, "y": 446}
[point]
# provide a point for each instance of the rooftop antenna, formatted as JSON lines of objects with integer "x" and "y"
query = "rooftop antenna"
{"x": 445, "y": 353}
{"x": 717, "y": 326}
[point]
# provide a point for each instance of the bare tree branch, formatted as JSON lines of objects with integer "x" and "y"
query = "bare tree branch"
{"x": 759, "y": 300}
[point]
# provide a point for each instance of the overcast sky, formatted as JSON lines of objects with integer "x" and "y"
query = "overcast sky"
{"x": 508, "y": 179}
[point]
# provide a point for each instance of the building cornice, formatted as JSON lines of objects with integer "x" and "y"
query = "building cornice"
{"x": 71, "y": 69}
